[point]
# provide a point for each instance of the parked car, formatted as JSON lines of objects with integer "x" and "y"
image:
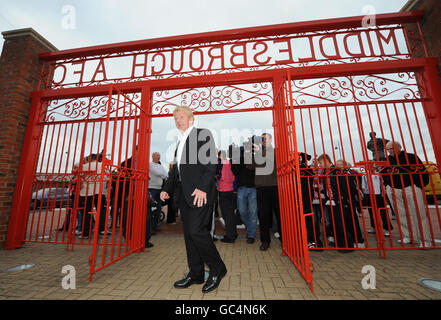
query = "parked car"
{"x": 436, "y": 191}
{"x": 56, "y": 197}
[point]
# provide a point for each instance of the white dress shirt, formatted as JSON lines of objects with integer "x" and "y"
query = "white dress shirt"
{"x": 182, "y": 137}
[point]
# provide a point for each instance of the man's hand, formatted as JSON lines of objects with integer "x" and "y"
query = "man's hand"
{"x": 164, "y": 196}
{"x": 200, "y": 197}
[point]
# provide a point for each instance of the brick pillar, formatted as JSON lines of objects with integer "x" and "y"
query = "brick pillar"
{"x": 20, "y": 69}
{"x": 430, "y": 25}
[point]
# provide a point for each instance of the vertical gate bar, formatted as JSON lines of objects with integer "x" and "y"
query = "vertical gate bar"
{"x": 102, "y": 173}
{"x": 326, "y": 182}
{"x": 119, "y": 178}
{"x": 50, "y": 184}
{"x": 53, "y": 173}
{"x": 132, "y": 211}
{"x": 146, "y": 106}
{"x": 338, "y": 183}
{"x": 68, "y": 210}
{"x": 63, "y": 183}
{"x": 411, "y": 227}
{"x": 304, "y": 246}
{"x": 379, "y": 232}
{"x": 78, "y": 181}
{"x": 129, "y": 233}
{"x": 429, "y": 80}
{"x": 63, "y": 176}
{"x": 430, "y": 176}
{"x": 422, "y": 184}
{"x": 290, "y": 209}
{"x": 292, "y": 158}
{"x": 277, "y": 90}
{"x": 115, "y": 199}
{"x": 286, "y": 204}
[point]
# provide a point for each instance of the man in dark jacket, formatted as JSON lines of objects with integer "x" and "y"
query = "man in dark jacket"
{"x": 332, "y": 197}
{"x": 246, "y": 195}
{"x": 407, "y": 176}
{"x": 350, "y": 199}
{"x": 192, "y": 183}
{"x": 267, "y": 191}
{"x": 376, "y": 146}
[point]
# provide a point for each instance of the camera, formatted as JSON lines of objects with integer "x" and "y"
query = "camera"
{"x": 236, "y": 152}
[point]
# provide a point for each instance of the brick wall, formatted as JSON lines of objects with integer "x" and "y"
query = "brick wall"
{"x": 20, "y": 70}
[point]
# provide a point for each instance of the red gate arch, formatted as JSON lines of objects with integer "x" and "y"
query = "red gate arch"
{"x": 328, "y": 83}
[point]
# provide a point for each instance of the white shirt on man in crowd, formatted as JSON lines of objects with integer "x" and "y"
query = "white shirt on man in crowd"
{"x": 157, "y": 174}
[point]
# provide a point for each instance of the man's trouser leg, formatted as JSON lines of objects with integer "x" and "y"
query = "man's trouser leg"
{"x": 227, "y": 210}
{"x": 198, "y": 241}
{"x": 417, "y": 206}
{"x": 264, "y": 212}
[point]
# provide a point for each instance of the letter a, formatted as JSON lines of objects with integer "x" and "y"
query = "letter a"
{"x": 368, "y": 281}
{"x": 69, "y": 281}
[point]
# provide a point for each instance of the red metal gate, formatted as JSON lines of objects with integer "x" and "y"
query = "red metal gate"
{"x": 358, "y": 196}
{"x": 294, "y": 244}
{"x": 122, "y": 180}
{"x": 83, "y": 184}
{"x": 342, "y": 81}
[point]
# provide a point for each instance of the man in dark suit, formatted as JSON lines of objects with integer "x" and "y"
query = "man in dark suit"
{"x": 192, "y": 184}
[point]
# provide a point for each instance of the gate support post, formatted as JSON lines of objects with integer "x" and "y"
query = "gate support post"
{"x": 26, "y": 173}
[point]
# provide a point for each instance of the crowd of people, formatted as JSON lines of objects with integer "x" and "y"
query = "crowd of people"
{"x": 333, "y": 197}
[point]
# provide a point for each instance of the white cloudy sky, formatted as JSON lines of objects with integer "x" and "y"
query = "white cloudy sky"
{"x": 109, "y": 21}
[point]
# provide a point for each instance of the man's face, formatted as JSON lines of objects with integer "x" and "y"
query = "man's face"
{"x": 391, "y": 149}
{"x": 156, "y": 157}
{"x": 182, "y": 120}
{"x": 340, "y": 164}
{"x": 267, "y": 140}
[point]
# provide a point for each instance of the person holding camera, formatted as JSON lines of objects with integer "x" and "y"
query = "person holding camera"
{"x": 264, "y": 161}
{"x": 246, "y": 195}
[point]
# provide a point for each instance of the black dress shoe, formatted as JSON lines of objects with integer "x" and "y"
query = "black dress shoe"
{"x": 250, "y": 240}
{"x": 264, "y": 246}
{"x": 227, "y": 240}
{"x": 149, "y": 245}
{"x": 186, "y": 282}
{"x": 213, "y": 282}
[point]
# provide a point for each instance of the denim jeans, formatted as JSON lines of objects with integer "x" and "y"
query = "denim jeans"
{"x": 247, "y": 206}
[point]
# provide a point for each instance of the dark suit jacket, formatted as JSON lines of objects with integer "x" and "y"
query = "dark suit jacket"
{"x": 197, "y": 168}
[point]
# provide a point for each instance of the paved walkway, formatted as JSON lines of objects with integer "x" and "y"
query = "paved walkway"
{"x": 252, "y": 274}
